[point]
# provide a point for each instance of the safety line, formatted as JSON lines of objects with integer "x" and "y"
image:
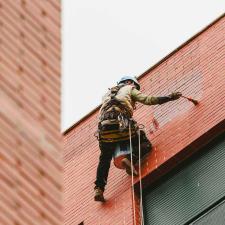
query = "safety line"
{"x": 140, "y": 178}
{"x": 132, "y": 175}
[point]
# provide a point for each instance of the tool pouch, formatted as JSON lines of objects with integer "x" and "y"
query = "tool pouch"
{"x": 113, "y": 132}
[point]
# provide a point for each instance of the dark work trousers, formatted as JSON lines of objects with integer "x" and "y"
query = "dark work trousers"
{"x": 107, "y": 151}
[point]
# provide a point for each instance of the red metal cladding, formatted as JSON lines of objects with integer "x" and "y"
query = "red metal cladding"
{"x": 176, "y": 129}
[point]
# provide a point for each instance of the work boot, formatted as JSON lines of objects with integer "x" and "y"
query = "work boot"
{"x": 128, "y": 167}
{"x": 99, "y": 195}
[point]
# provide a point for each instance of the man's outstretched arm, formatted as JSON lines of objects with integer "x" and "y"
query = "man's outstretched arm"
{"x": 150, "y": 100}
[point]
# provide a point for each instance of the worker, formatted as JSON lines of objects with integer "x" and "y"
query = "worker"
{"x": 116, "y": 126}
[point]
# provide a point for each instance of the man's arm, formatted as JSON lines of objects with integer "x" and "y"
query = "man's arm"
{"x": 150, "y": 100}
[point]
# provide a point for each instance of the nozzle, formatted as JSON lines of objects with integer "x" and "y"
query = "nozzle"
{"x": 195, "y": 102}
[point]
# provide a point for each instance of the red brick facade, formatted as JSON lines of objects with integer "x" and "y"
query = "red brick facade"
{"x": 176, "y": 129}
{"x": 30, "y": 143}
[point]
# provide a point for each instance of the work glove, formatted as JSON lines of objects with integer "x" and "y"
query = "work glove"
{"x": 175, "y": 95}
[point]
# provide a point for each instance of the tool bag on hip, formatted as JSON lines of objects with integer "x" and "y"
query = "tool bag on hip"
{"x": 114, "y": 133}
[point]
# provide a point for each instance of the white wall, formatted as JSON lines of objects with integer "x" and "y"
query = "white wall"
{"x": 104, "y": 40}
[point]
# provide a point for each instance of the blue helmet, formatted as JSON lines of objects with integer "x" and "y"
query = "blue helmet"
{"x": 123, "y": 79}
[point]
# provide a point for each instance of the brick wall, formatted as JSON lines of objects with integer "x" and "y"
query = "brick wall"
{"x": 176, "y": 129}
{"x": 30, "y": 143}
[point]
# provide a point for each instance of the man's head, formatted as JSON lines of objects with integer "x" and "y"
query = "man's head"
{"x": 129, "y": 81}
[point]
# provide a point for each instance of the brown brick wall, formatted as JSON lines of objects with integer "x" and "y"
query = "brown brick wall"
{"x": 196, "y": 69}
{"x": 30, "y": 143}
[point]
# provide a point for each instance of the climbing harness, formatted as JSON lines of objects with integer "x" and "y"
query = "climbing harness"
{"x": 140, "y": 178}
{"x": 114, "y": 120}
{"x": 115, "y": 131}
{"x": 112, "y": 107}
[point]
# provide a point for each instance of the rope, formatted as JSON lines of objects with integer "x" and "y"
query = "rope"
{"x": 140, "y": 178}
{"x": 132, "y": 175}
